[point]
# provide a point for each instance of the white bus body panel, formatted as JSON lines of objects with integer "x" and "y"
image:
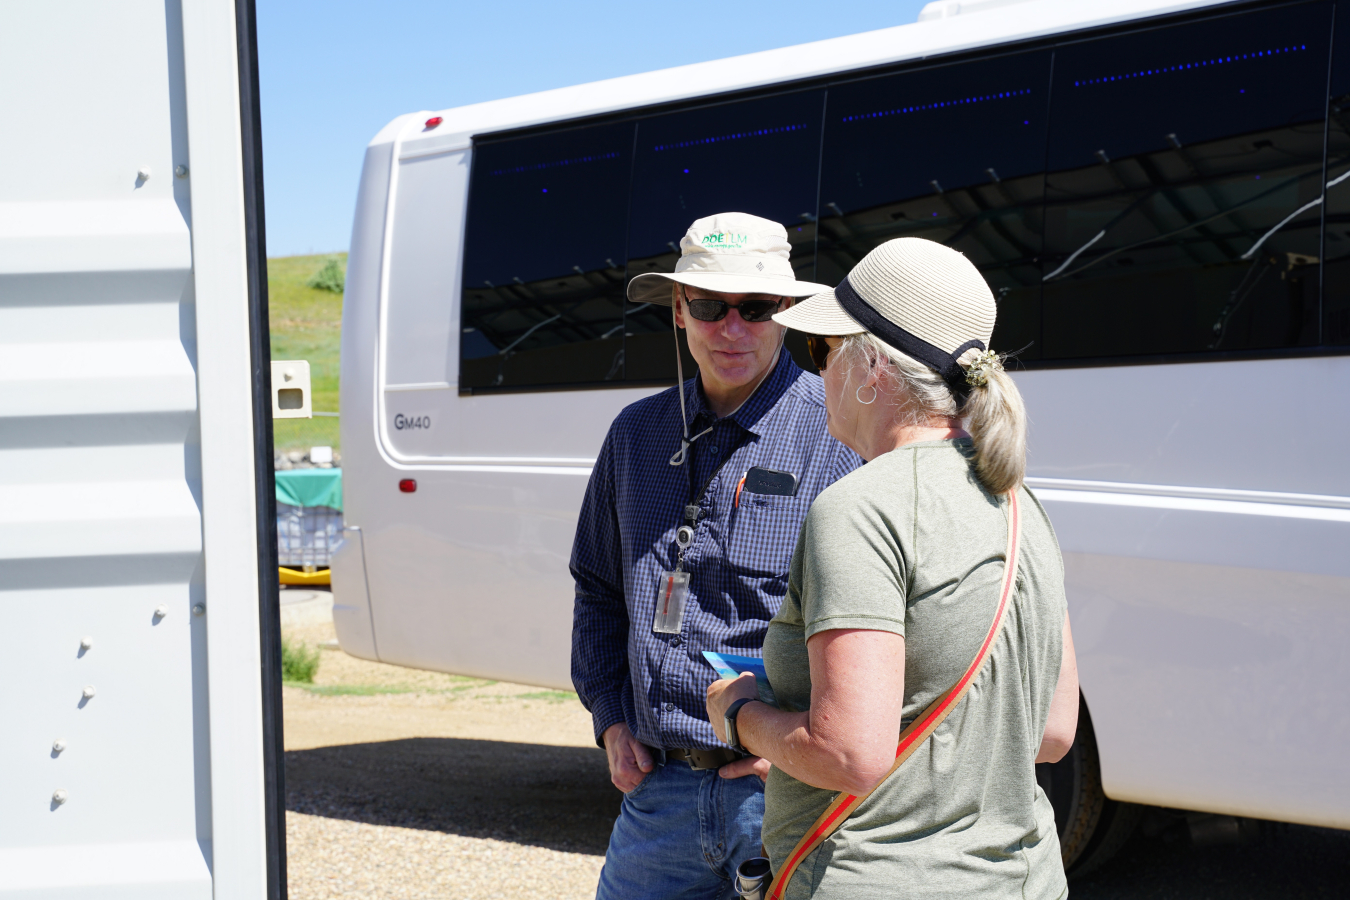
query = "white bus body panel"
{"x": 126, "y": 460}
{"x": 1204, "y": 530}
{"x": 1203, "y": 536}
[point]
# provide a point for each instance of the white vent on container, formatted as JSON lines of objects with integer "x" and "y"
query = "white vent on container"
{"x": 290, "y": 389}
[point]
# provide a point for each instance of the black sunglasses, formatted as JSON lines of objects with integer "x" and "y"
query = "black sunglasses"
{"x": 706, "y": 309}
{"x": 819, "y": 349}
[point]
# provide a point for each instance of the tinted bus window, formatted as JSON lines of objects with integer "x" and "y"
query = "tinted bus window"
{"x": 543, "y": 260}
{"x": 1336, "y": 249}
{"x": 953, "y": 154}
{"x": 755, "y": 156}
{"x": 1182, "y": 165}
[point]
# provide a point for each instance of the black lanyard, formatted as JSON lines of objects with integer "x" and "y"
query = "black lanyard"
{"x": 684, "y": 535}
{"x": 692, "y": 511}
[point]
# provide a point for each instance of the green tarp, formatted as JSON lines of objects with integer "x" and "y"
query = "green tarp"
{"x": 310, "y": 487}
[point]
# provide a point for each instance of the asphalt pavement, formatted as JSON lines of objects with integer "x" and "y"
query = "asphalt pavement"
{"x": 1288, "y": 862}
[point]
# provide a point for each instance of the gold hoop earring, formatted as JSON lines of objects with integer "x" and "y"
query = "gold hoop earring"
{"x": 857, "y": 395}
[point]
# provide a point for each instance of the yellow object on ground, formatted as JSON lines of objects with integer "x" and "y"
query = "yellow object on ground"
{"x": 296, "y": 576}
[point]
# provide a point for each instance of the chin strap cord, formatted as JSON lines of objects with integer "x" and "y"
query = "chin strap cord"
{"x": 683, "y": 453}
{"x": 686, "y": 442}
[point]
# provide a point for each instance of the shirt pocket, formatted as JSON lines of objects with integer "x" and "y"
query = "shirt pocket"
{"x": 763, "y": 534}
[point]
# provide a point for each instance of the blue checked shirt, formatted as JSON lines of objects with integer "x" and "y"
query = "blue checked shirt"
{"x": 738, "y": 561}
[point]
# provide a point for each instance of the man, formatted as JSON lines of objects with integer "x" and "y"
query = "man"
{"x": 679, "y": 504}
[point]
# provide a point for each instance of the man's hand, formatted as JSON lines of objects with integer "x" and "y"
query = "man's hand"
{"x": 722, "y": 693}
{"x": 751, "y": 765}
{"x": 629, "y": 758}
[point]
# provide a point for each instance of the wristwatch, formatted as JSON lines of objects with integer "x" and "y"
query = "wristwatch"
{"x": 734, "y": 739}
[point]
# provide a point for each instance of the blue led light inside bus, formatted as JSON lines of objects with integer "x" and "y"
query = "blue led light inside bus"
{"x": 938, "y": 104}
{"x": 758, "y": 132}
{"x": 1180, "y": 67}
{"x": 575, "y": 161}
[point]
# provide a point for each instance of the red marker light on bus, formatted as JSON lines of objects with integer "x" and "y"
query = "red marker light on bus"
{"x": 407, "y": 485}
{"x": 434, "y": 121}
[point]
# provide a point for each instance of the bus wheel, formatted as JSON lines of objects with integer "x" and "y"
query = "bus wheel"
{"x": 1091, "y": 826}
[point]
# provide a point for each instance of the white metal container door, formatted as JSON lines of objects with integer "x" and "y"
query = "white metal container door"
{"x": 134, "y": 751}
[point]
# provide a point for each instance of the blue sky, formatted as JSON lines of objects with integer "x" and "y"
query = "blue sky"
{"x": 333, "y": 73}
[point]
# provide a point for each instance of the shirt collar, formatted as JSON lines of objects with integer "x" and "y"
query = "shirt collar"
{"x": 751, "y": 414}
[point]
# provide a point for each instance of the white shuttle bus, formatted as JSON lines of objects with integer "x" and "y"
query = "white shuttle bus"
{"x": 1154, "y": 189}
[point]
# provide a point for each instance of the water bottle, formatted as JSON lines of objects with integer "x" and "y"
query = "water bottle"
{"x": 753, "y": 878}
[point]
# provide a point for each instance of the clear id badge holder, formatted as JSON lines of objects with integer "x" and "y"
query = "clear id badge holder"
{"x": 673, "y": 590}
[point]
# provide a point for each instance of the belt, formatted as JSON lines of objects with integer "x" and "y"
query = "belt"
{"x": 698, "y": 758}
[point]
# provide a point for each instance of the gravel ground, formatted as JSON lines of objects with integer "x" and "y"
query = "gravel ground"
{"x": 409, "y": 784}
{"x": 330, "y": 857}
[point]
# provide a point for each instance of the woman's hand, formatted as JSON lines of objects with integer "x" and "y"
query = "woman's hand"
{"x": 846, "y": 740}
{"x": 722, "y": 693}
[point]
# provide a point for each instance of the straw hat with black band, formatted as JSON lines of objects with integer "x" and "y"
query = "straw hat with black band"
{"x": 924, "y": 299}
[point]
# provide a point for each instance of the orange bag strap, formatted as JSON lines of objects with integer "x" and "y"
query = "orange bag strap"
{"x": 919, "y": 730}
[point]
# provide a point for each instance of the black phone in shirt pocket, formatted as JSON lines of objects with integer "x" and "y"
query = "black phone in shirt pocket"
{"x": 770, "y": 482}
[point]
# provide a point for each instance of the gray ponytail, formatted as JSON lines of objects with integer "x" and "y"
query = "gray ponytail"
{"x": 994, "y": 412}
{"x": 997, "y": 421}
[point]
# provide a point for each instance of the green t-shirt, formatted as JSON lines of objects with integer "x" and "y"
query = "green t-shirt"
{"x": 911, "y": 543}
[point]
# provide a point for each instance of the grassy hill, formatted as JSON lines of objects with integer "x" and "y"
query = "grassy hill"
{"x": 306, "y": 324}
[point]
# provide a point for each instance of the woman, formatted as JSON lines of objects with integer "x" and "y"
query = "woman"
{"x": 894, "y": 589}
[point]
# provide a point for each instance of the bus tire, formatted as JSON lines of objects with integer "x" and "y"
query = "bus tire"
{"x": 1092, "y": 827}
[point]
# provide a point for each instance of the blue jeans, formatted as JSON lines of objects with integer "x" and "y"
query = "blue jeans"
{"x": 681, "y": 834}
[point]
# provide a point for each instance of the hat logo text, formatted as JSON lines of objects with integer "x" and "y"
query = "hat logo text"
{"x": 725, "y": 239}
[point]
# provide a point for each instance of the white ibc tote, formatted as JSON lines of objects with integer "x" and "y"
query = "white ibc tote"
{"x": 140, "y": 745}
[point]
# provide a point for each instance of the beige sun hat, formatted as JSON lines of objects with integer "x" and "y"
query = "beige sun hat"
{"x": 920, "y": 297}
{"x": 732, "y": 253}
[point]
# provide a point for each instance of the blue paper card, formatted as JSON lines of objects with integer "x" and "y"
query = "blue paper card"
{"x": 729, "y": 666}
